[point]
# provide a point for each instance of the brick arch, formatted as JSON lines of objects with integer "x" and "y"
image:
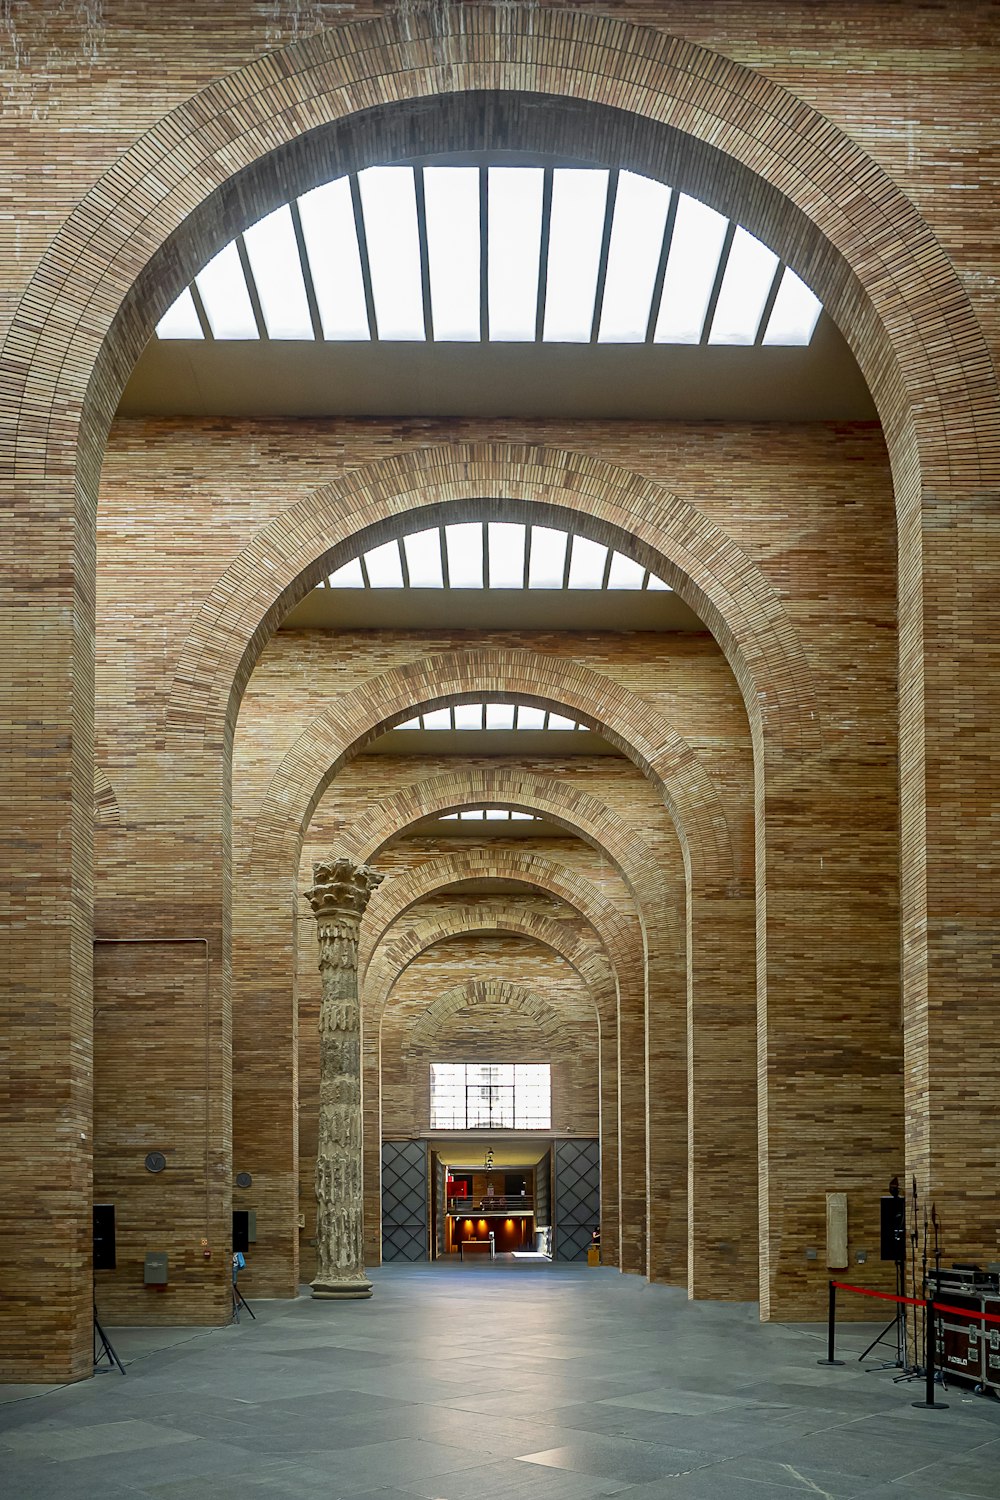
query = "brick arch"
{"x": 401, "y": 949}
{"x": 227, "y": 154}
{"x": 618, "y": 934}
{"x": 106, "y": 807}
{"x": 356, "y": 717}
{"x": 547, "y": 485}
{"x": 518, "y": 999}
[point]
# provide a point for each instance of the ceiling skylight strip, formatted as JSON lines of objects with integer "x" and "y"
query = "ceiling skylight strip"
{"x": 273, "y": 253}
{"x": 795, "y": 313}
{"x": 389, "y": 204}
{"x": 384, "y": 566}
{"x": 226, "y": 299}
{"x": 349, "y": 576}
{"x": 692, "y": 263}
{"x": 504, "y": 254}
{"x": 547, "y": 562}
{"x": 587, "y": 564}
{"x": 451, "y": 203}
{"x": 506, "y": 547}
{"x": 331, "y": 238}
{"x": 640, "y": 217}
{"x": 423, "y": 559}
{"x": 576, "y": 233}
{"x": 745, "y": 287}
{"x": 180, "y": 321}
{"x": 514, "y": 234}
{"x": 464, "y": 546}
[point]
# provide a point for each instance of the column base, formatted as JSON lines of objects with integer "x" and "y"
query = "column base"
{"x": 351, "y": 1288}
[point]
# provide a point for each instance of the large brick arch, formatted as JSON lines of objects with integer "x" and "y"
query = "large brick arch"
{"x": 221, "y": 159}
{"x": 634, "y": 725}
{"x": 548, "y": 485}
{"x": 401, "y": 948}
{"x": 525, "y": 1004}
{"x": 619, "y": 934}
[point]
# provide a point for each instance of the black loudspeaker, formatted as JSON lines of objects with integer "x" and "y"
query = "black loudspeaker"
{"x": 241, "y": 1229}
{"x": 104, "y": 1237}
{"x": 893, "y": 1229}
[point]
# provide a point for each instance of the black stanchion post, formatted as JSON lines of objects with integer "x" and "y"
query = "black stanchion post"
{"x": 930, "y": 1321}
{"x": 831, "y": 1328}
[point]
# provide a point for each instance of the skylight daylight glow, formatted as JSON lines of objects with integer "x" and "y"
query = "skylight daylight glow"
{"x": 503, "y": 716}
{"x": 744, "y": 292}
{"x": 514, "y": 241}
{"x": 451, "y": 199}
{"x": 331, "y": 238}
{"x": 576, "y": 229}
{"x": 225, "y": 296}
{"x": 494, "y": 555}
{"x": 633, "y": 258}
{"x": 277, "y": 272}
{"x": 389, "y": 203}
{"x": 699, "y": 234}
{"x": 610, "y": 237}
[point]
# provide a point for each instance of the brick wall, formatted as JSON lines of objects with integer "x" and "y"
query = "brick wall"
{"x": 81, "y": 87}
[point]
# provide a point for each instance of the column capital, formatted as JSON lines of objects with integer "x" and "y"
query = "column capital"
{"x": 341, "y": 890}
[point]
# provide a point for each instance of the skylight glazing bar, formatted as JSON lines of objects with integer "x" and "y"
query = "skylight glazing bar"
{"x": 180, "y": 321}
{"x": 745, "y": 286}
{"x": 576, "y": 234}
{"x": 307, "y": 281}
{"x": 602, "y": 265}
{"x": 384, "y": 566}
{"x": 635, "y": 253}
{"x": 330, "y": 235}
{"x": 795, "y": 313}
{"x": 423, "y": 558}
{"x": 587, "y": 563}
{"x": 425, "y": 273}
{"x": 692, "y": 264}
{"x": 273, "y": 254}
{"x": 451, "y": 206}
{"x": 389, "y": 206}
{"x": 248, "y": 276}
{"x": 224, "y": 293}
{"x": 514, "y": 231}
{"x": 547, "y": 558}
{"x": 720, "y": 277}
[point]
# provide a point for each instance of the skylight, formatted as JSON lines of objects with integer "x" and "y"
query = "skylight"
{"x": 490, "y": 814}
{"x": 571, "y": 254}
{"x": 494, "y": 555}
{"x": 511, "y": 716}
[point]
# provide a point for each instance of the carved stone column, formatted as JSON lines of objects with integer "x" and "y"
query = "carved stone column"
{"x": 339, "y": 895}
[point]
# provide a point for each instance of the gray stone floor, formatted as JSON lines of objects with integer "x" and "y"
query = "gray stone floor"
{"x": 494, "y": 1382}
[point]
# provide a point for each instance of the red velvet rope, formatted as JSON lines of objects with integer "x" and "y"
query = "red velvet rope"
{"x": 963, "y": 1312}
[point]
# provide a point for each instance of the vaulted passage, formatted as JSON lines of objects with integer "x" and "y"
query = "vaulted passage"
{"x": 498, "y": 728}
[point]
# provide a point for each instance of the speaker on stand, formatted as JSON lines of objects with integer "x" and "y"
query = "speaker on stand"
{"x": 104, "y": 1259}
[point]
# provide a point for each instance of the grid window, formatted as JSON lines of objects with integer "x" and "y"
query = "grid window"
{"x": 491, "y": 1096}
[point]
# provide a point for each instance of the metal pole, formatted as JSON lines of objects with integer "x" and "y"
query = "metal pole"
{"x": 831, "y": 1328}
{"x": 929, "y": 1404}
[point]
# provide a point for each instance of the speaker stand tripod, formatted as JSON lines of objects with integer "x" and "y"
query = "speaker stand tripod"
{"x": 106, "y": 1350}
{"x": 898, "y": 1323}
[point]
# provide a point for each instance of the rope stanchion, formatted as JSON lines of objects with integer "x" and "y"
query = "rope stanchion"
{"x": 928, "y": 1403}
{"x": 831, "y": 1328}
{"x": 930, "y": 1332}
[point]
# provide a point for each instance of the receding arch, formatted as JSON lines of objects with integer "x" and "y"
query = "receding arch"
{"x": 620, "y": 936}
{"x": 355, "y": 717}
{"x": 518, "y": 1000}
{"x": 299, "y": 547}
{"x": 398, "y": 950}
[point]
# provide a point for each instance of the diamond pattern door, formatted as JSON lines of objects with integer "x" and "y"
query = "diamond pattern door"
{"x": 577, "y": 1197}
{"x": 404, "y": 1200}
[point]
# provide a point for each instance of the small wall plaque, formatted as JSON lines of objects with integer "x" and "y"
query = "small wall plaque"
{"x": 155, "y": 1161}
